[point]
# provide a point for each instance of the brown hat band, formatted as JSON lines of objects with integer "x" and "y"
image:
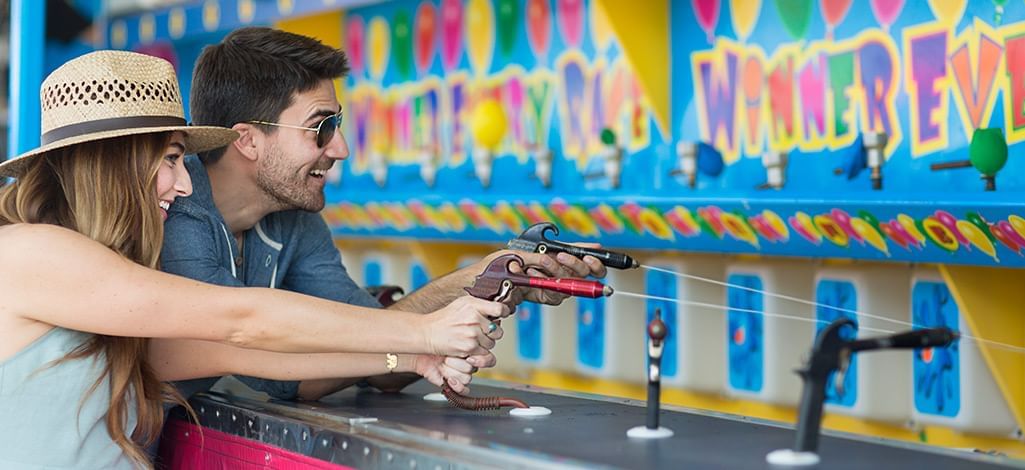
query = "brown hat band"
{"x": 102, "y": 125}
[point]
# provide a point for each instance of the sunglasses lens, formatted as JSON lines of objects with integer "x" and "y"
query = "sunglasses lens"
{"x": 327, "y": 128}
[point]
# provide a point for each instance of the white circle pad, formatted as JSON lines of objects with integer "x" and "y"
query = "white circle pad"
{"x": 436, "y": 396}
{"x": 791, "y": 458}
{"x": 643, "y": 432}
{"x": 530, "y": 412}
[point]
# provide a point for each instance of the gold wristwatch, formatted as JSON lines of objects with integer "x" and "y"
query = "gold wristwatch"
{"x": 391, "y": 362}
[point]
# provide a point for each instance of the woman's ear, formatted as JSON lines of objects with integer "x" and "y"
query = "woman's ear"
{"x": 249, "y": 140}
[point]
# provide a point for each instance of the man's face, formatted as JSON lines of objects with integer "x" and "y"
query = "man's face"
{"x": 292, "y": 168}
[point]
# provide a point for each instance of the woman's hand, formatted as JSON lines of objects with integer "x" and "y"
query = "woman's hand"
{"x": 461, "y": 328}
{"x": 456, "y": 372}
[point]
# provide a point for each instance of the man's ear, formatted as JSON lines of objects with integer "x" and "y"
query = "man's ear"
{"x": 249, "y": 141}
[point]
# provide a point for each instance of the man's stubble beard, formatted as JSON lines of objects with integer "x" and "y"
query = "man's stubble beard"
{"x": 283, "y": 187}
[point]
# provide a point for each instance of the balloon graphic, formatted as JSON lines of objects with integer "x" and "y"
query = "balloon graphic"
{"x": 426, "y": 36}
{"x": 897, "y": 237}
{"x": 796, "y": 16}
{"x": 451, "y": 33}
{"x": 908, "y": 224}
{"x": 489, "y": 124}
{"x": 1018, "y": 224}
{"x": 601, "y": 29}
{"x": 480, "y": 34}
{"x": 354, "y": 35}
{"x": 402, "y": 43}
{"x": 539, "y": 26}
{"x": 378, "y": 47}
{"x": 833, "y": 12}
{"x": 707, "y": 13}
{"x": 1003, "y": 232}
{"x": 998, "y": 11}
{"x": 843, "y": 219}
{"x": 939, "y": 234}
{"x": 868, "y": 233}
{"x": 803, "y": 225}
{"x": 871, "y": 219}
{"x": 508, "y": 25}
{"x": 977, "y": 237}
{"x": 886, "y": 11}
{"x": 978, "y": 221}
{"x": 948, "y": 11}
{"x": 831, "y": 230}
{"x": 571, "y": 21}
{"x": 744, "y": 16}
{"x": 948, "y": 219}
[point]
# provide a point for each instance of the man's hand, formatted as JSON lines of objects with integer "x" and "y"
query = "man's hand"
{"x": 560, "y": 265}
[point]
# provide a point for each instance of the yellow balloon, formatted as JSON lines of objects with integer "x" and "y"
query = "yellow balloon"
{"x": 744, "y": 14}
{"x": 948, "y": 11}
{"x": 1018, "y": 224}
{"x": 480, "y": 34}
{"x": 831, "y": 230}
{"x": 909, "y": 226}
{"x": 870, "y": 234}
{"x": 776, "y": 223}
{"x": 974, "y": 234}
{"x": 489, "y": 124}
{"x": 601, "y": 30}
{"x": 379, "y": 42}
{"x": 739, "y": 229}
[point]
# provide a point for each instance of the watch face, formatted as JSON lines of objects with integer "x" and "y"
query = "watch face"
{"x": 392, "y": 361}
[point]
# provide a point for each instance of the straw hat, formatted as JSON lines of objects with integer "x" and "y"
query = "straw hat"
{"x": 107, "y": 94}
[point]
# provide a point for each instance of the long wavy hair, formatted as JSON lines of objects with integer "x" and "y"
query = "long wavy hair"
{"x": 105, "y": 190}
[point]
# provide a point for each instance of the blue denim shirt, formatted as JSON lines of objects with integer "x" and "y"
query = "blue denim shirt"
{"x": 290, "y": 250}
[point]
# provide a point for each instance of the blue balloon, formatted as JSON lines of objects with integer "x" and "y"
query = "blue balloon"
{"x": 854, "y": 158}
{"x": 709, "y": 160}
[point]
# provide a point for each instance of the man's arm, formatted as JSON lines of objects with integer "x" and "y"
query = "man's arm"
{"x": 190, "y": 250}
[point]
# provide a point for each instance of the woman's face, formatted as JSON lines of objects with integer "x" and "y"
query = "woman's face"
{"x": 172, "y": 178}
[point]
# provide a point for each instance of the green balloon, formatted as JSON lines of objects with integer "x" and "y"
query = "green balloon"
{"x": 796, "y": 16}
{"x": 402, "y": 43}
{"x": 868, "y": 217}
{"x": 988, "y": 150}
{"x": 608, "y": 136}
{"x": 978, "y": 221}
{"x": 508, "y": 25}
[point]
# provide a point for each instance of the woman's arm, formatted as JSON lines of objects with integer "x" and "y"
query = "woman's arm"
{"x": 59, "y": 277}
{"x": 175, "y": 359}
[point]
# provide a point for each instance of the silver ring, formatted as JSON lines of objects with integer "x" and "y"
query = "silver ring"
{"x": 492, "y": 327}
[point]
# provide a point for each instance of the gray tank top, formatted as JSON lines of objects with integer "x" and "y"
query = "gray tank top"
{"x": 46, "y": 422}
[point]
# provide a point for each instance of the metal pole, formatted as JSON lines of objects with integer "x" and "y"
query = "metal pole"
{"x": 28, "y": 43}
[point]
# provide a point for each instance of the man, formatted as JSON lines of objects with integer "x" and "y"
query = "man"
{"x": 252, "y": 219}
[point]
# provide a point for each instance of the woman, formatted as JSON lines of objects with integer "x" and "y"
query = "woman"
{"x": 80, "y": 234}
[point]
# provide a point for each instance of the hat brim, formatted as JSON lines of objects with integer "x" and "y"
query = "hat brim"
{"x": 197, "y": 139}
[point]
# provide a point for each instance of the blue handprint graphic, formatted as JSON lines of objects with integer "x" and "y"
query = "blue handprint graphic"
{"x": 842, "y": 295}
{"x": 745, "y": 336}
{"x": 937, "y": 370}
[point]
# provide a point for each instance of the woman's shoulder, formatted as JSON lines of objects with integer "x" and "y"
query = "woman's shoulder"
{"x": 30, "y": 239}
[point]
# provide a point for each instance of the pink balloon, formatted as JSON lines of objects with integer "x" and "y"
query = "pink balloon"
{"x": 354, "y": 38}
{"x": 843, "y": 219}
{"x": 948, "y": 220}
{"x": 425, "y": 37}
{"x": 571, "y": 21}
{"x": 707, "y": 12}
{"x": 887, "y": 11}
{"x": 539, "y": 25}
{"x": 1010, "y": 232}
{"x": 451, "y": 33}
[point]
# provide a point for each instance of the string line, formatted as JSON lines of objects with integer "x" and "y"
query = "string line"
{"x": 997, "y": 344}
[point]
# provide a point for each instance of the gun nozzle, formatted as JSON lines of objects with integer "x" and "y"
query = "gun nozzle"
{"x": 607, "y": 291}
{"x": 635, "y": 265}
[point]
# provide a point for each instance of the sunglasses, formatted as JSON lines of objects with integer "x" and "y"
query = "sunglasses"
{"x": 325, "y": 129}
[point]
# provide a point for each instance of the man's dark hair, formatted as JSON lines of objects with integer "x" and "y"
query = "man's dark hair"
{"x": 253, "y": 75}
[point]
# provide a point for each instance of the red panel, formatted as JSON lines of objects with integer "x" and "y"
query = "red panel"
{"x": 185, "y": 446}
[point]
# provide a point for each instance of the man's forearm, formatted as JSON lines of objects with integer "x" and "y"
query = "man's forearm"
{"x": 436, "y": 294}
{"x": 312, "y": 390}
